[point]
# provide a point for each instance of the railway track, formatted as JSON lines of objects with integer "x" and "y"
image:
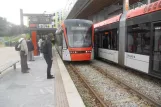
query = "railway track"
{"x": 87, "y": 85}
{"x": 128, "y": 87}
{"x": 138, "y": 96}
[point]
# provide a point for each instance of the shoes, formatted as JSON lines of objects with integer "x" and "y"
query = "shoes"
{"x": 28, "y": 68}
{"x": 50, "y": 77}
{"x": 31, "y": 60}
{"x": 25, "y": 72}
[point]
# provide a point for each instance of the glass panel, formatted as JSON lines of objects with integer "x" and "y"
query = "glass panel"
{"x": 109, "y": 39}
{"x": 100, "y": 40}
{"x": 79, "y": 33}
{"x": 106, "y": 40}
{"x": 139, "y": 39}
{"x": 157, "y": 48}
{"x": 114, "y": 39}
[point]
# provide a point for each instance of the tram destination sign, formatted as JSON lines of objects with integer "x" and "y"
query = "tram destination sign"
{"x": 79, "y": 28}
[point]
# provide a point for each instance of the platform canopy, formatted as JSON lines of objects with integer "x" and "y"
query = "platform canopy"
{"x": 85, "y": 8}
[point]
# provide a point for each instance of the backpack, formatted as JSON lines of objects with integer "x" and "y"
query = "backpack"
{"x": 18, "y": 46}
{"x": 44, "y": 47}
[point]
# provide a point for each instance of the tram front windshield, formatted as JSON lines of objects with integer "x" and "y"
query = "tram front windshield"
{"x": 79, "y": 33}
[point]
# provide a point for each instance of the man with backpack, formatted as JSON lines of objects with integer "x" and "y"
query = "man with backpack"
{"x": 22, "y": 47}
{"x": 48, "y": 56}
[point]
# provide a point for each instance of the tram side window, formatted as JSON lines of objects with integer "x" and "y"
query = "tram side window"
{"x": 109, "y": 40}
{"x": 61, "y": 39}
{"x": 105, "y": 39}
{"x": 56, "y": 38}
{"x": 157, "y": 37}
{"x": 100, "y": 40}
{"x": 114, "y": 39}
{"x": 139, "y": 39}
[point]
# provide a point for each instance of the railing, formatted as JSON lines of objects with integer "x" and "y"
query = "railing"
{"x": 138, "y": 4}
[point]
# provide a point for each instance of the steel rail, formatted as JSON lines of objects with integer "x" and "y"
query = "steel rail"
{"x": 129, "y": 87}
{"x": 101, "y": 101}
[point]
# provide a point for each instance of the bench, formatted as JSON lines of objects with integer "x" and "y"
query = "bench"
{"x": 8, "y": 65}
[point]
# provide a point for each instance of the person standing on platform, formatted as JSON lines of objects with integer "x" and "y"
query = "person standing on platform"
{"x": 40, "y": 45}
{"x": 30, "y": 50}
{"x": 23, "y": 55}
{"x": 48, "y": 56}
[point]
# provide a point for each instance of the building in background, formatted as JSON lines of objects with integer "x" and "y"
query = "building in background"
{"x": 70, "y": 4}
{"x": 58, "y": 18}
{"x": 39, "y": 26}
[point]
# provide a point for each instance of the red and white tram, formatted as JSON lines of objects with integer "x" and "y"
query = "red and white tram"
{"x": 74, "y": 40}
{"x": 132, "y": 40}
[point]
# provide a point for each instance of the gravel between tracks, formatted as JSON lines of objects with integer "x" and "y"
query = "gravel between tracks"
{"x": 87, "y": 97}
{"x": 110, "y": 91}
{"x": 147, "y": 87}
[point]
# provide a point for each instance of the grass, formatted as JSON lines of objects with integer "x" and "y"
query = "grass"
{"x": 6, "y": 38}
{"x": 12, "y": 39}
{"x": 15, "y": 38}
{"x": 27, "y": 36}
{"x": 1, "y": 44}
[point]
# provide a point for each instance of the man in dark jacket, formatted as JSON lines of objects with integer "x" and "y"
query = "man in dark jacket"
{"x": 48, "y": 56}
{"x": 30, "y": 50}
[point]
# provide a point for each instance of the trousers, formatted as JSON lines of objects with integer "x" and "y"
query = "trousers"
{"x": 49, "y": 64}
{"x": 24, "y": 65}
{"x": 30, "y": 56}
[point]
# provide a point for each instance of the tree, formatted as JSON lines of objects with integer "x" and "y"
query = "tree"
{"x": 3, "y": 26}
{"x": 9, "y": 29}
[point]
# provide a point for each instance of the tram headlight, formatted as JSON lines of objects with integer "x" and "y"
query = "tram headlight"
{"x": 71, "y": 52}
{"x": 88, "y": 51}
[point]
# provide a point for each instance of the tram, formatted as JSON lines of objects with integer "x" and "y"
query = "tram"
{"x": 135, "y": 45}
{"x": 74, "y": 40}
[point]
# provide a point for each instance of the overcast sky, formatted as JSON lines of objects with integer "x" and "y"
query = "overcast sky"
{"x": 10, "y": 9}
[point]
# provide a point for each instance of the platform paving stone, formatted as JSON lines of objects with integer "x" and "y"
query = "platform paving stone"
{"x": 27, "y": 90}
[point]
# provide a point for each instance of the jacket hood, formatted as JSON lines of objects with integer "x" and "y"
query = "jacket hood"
{"x": 20, "y": 39}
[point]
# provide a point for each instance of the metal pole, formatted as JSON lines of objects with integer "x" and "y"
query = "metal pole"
{"x": 125, "y": 5}
{"x": 149, "y": 1}
{"x": 21, "y": 20}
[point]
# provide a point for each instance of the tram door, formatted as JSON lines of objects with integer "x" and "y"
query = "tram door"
{"x": 156, "y": 54}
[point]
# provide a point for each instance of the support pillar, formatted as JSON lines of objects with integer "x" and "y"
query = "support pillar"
{"x": 123, "y": 34}
{"x": 21, "y": 20}
{"x": 149, "y": 1}
{"x": 34, "y": 41}
{"x": 125, "y": 5}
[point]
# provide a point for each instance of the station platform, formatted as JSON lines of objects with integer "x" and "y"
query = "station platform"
{"x": 33, "y": 89}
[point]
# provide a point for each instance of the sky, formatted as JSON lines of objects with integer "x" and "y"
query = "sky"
{"x": 10, "y": 9}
